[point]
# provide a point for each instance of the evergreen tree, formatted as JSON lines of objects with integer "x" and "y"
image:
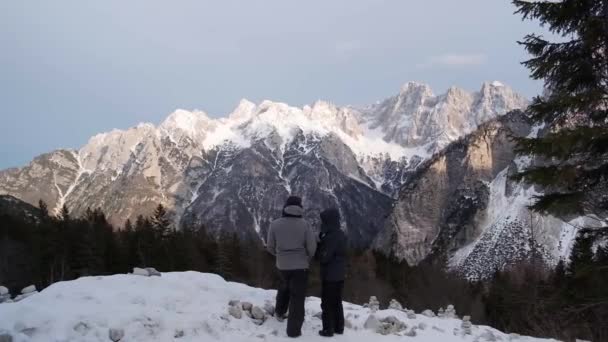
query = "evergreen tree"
{"x": 558, "y": 276}
{"x": 64, "y": 214}
{"x": 581, "y": 256}
{"x": 224, "y": 265}
{"x": 128, "y": 226}
{"x": 575, "y": 110}
{"x": 160, "y": 221}
{"x": 161, "y": 224}
{"x": 44, "y": 210}
{"x": 601, "y": 255}
{"x": 144, "y": 241}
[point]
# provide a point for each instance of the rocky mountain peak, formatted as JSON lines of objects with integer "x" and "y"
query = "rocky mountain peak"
{"x": 243, "y": 111}
{"x": 184, "y": 123}
{"x": 416, "y": 88}
{"x": 495, "y": 97}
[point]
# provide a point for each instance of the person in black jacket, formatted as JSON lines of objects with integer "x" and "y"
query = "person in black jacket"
{"x": 332, "y": 255}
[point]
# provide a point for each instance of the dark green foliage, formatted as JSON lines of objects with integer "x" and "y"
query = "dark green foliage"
{"x": 571, "y": 165}
{"x": 568, "y": 302}
{"x": 573, "y": 154}
{"x": 581, "y": 257}
{"x": 44, "y": 210}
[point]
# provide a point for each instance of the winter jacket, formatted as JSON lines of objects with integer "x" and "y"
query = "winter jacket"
{"x": 291, "y": 240}
{"x": 332, "y": 247}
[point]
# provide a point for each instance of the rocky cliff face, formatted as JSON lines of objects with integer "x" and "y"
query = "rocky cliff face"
{"x": 233, "y": 173}
{"x": 462, "y": 205}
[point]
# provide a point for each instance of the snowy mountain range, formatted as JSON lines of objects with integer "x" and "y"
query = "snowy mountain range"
{"x": 415, "y": 174}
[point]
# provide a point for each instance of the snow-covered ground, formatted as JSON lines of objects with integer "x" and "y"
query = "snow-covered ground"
{"x": 192, "y": 306}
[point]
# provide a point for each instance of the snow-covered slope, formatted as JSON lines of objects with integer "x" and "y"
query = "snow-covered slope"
{"x": 193, "y": 306}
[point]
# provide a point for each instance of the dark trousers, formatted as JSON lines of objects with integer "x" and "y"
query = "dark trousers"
{"x": 291, "y": 294}
{"x": 331, "y": 304}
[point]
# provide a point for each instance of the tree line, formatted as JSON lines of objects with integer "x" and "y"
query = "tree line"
{"x": 53, "y": 248}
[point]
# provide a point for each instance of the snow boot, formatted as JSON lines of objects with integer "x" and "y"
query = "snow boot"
{"x": 326, "y": 333}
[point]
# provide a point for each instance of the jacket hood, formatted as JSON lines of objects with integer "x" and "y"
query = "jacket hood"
{"x": 330, "y": 220}
{"x": 293, "y": 211}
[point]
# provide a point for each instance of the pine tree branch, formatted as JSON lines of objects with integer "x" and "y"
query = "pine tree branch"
{"x": 556, "y": 15}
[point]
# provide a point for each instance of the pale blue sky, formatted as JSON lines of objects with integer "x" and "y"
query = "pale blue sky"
{"x": 70, "y": 69}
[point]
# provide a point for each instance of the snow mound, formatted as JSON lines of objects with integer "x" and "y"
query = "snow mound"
{"x": 191, "y": 306}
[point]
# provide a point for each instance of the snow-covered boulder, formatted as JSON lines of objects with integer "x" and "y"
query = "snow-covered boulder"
{"x": 410, "y": 314}
{"x": 81, "y": 327}
{"x": 235, "y": 311}
{"x": 258, "y": 313}
{"x": 428, "y": 313}
{"x": 246, "y": 306}
{"x": 390, "y": 325}
{"x": 153, "y": 272}
{"x": 115, "y": 334}
{"x": 374, "y": 304}
{"x": 450, "y": 312}
{"x": 371, "y": 323}
{"x": 28, "y": 289}
{"x": 5, "y": 296}
{"x": 269, "y": 308}
{"x": 514, "y": 337}
{"x": 395, "y": 305}
{"x": 489, "y": 336}
{"x": 466, "y": 325}
{"x": 411, "y": 332}
{"x": 385, "y": 329}
{"x": 141, "y": 272}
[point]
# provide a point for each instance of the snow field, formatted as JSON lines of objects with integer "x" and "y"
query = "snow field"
{"x": 191, "y": 306}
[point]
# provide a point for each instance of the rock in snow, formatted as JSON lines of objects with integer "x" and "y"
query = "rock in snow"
{"x": 189, "y": 307}
{"x": 116, "y": 335}
{"x": 395, "y": 305}
{"x": 5, "y": 296}
{"x": 450, "y": 312}
{"x": 269, "y": 308}
{"x": 258, "y": 313}
{"x": 246, "y": 306}
{"x": 141, "y": 271}
{"x": 153, "y": 272}
{"x": 466, "y": 325}
{"x": 235, "y": 311}
{"x": 29, "y": 289}
{"x": 374, "y": 304}
{"x": 428, "y": 313}
{"x": 371, "y": 323}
